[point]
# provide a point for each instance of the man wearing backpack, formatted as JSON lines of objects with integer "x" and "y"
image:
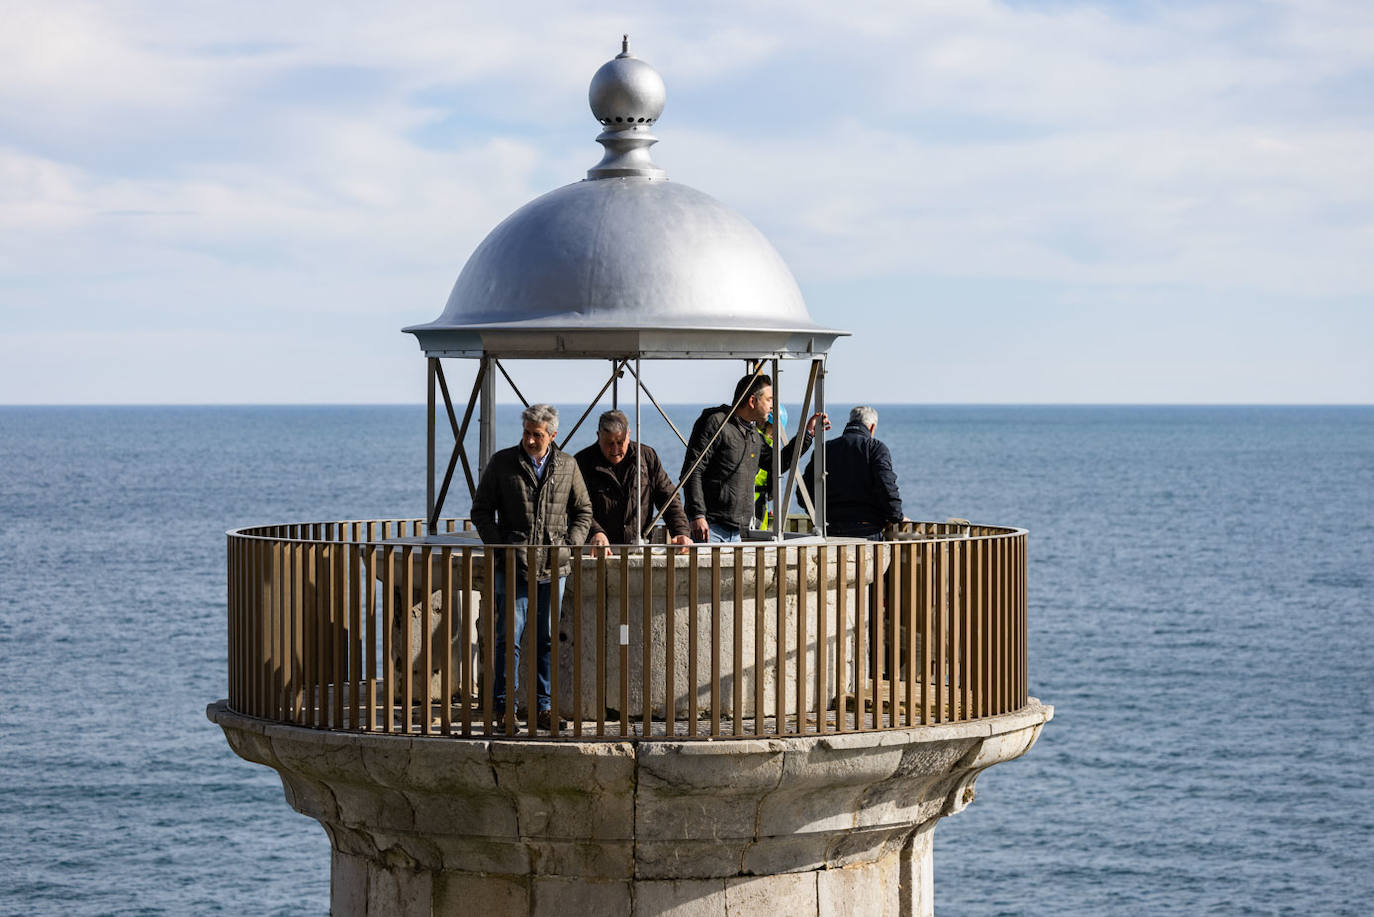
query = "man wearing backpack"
{"x": 724, "y": 453}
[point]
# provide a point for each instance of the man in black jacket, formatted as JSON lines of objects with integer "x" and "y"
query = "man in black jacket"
{"x": 861, "y": 499}
{"x": 611, "y": 468}
{"x": 861, "y": 496}
{"x": 724, "y": 453}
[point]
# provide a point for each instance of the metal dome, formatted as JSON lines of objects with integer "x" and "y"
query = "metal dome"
{"x": 625, "y": 262}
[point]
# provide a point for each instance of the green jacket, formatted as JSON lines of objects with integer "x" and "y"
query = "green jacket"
{"x": 512, "y": 507}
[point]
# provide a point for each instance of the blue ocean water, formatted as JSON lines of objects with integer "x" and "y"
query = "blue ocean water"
{"x": 1202, "y": 616}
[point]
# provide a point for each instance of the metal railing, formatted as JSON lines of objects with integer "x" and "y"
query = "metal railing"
{"x": 365, "y": 626}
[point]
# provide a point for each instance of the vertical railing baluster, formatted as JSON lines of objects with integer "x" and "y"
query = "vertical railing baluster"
{"x": 989, "y": 638}
{"x": 370, "y": 630}
{"x": 1009, "y": 621}
{"x": 932, "y": 631}
{"x": 822, "y": 634}
{"x": 388, "y": 692}
{"x": 999, "y": 598}
{"x": 965, "y": 627}
{"x": 897, "y": 617}
{"x": 246, "y": 648}
{"x": 269, "y": 630}
{"x": 735, "y": 686}
{"x": 842, "y": 680}
{"x": 999, "y": 622}
{"x": 271, "y": 627}
{"x": 309, "y": 629}
{"x": 245, "y": 625}
{"x": 956, "y": 637}
{"x": 253, "y": 607}
{"x": 286, "y": 674}
{"x": 624, "y": 642}
{"x": 306, "y": 591}
{"x": 530, "y": 651}
{"x": 512, "y": 697}
{"x": 241, "y": 625}
{"x": 780, "y": 635}
{"x": 445, "y": 641}
{"x": 984, "y": 626}
{"x": 304, "y": 625}
{"x": 281, "y": 592}
{"x": 1015, "y": 543}
{"x": 911, "y": 604}
{"x": 601, "y": 637}
{"x": 802, "y": 642}
{"x": 880, "y": 635}
{"x": 894, "y": 634}
{"x": 670, "y": 642}
{"x": 260, "y": 631}
{"x": 555, "y": 610}
{"x": 646, "y": 644}
{"x": 693, "y": 648}
{"x": 294, "y": 649}
{"x": 930, "y": 562}
{"x": 760, "y": 633}
{"x": 408, "y": 654}
{"x": 972, "y": 611}
{"x": 895, "y": 612}
{"x": 942, "y": 687}
{"x": 489, "y": 641}
{"x": 1023, "y": 622}
{"x": 324, "y": 626}
{"x": 863, "y": 645}
{"x": 255, "y": 610}
{"x": 324, "y": 595}
{"x": 1009, "y": 644}
{"x": 231, "y": 616}
{"x": 338, "y": 616}
{"x": 578, "y": 643}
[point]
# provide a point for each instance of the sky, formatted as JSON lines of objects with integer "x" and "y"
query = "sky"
{"x": 1005, "y": 202}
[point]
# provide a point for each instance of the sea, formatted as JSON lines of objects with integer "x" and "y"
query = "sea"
{"x": 1201, "y": 618}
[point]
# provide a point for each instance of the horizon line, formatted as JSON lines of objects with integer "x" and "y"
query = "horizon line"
{"x": 933, "y": 404}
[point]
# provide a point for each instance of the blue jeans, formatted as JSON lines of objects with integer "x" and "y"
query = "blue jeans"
{"x": 543, "y": 642}
{"x": 722, "y": 534}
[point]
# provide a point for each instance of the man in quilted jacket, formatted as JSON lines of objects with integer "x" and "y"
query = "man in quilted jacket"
{"x": 531, "y": 494}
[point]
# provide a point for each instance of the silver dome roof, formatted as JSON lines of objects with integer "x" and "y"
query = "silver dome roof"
{"x": 625, "y": 262}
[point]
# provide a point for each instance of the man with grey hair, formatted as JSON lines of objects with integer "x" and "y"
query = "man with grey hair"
{"x": 861, "y": 500}
{"x": 628, "y": 486}
{"x": 861, "y": 496}
{"x": 530, "y": 494}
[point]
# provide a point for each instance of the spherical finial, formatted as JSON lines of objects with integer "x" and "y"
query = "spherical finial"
{"x": 626, "y": 92}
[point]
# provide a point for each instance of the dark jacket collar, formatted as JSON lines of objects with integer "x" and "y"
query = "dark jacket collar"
{"x": 857, "y": 428}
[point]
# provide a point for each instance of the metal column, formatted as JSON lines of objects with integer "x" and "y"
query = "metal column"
{"x": 818, "y": 455}
{"x": 431, "y": 369}
{"x": 775, "y": 473}
{"x": 486, "y": 416}
{"x": 639, "y": 462}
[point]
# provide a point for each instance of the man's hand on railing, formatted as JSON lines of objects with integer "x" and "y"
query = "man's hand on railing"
{"x": 599, "y": 540}
{"x": 682, "y": 540}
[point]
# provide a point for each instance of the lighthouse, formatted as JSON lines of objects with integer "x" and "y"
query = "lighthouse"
{"x": 774, "y": 726}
